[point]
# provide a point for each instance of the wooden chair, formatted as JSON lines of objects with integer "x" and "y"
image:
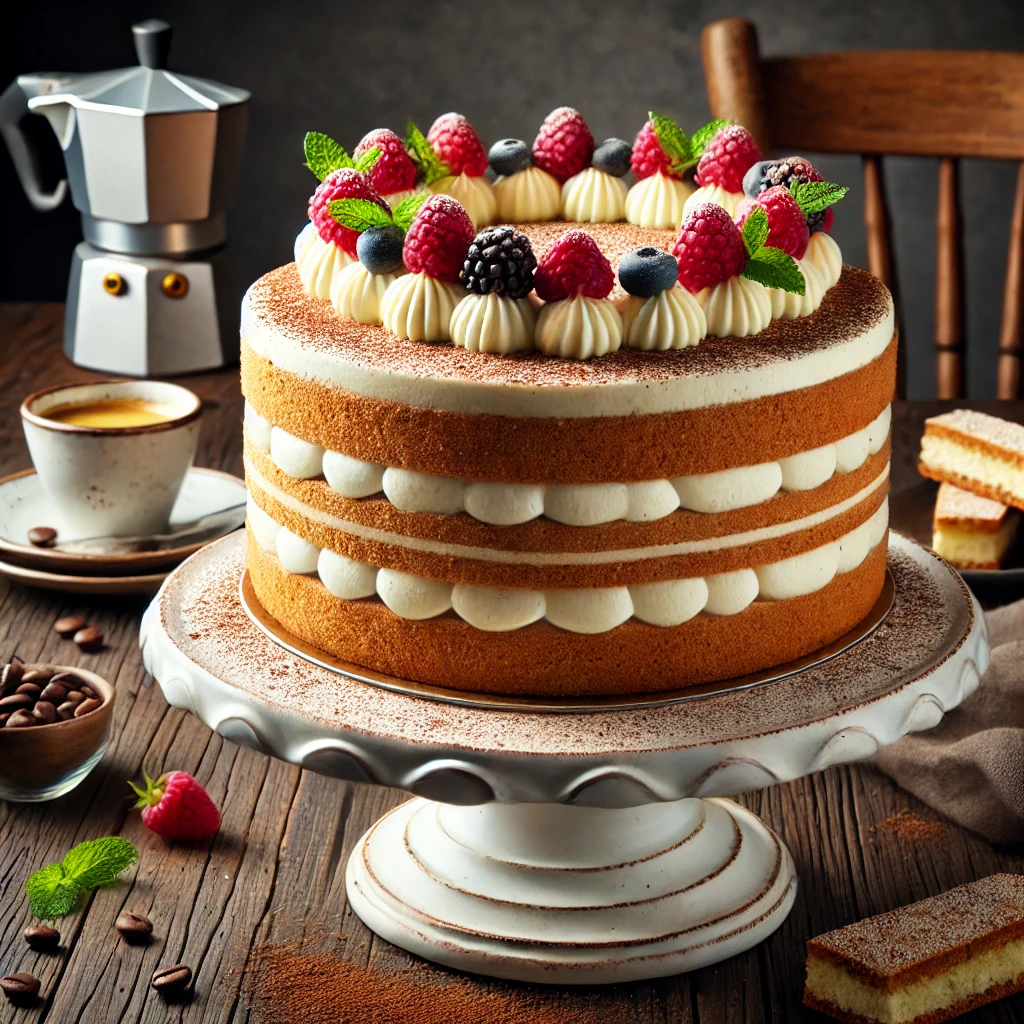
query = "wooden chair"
{"x": 935, "y": 103}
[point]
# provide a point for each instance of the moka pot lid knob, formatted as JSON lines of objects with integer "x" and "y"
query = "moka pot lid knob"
{"x": 152, "y": 39}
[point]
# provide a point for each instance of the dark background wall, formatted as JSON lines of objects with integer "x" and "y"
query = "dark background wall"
{"x": 344, "y": 68}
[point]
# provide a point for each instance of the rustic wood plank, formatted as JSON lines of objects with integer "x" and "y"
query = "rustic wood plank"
{"x": 949, "y": 287}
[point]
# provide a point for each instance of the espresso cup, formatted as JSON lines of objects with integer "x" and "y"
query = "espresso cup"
{"x": 112, "y": 480}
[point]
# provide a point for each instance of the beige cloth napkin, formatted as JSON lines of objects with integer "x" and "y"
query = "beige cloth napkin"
{"x": 971, "y": 765}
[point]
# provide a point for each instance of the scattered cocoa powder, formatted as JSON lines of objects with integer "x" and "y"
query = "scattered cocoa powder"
{"x": 294, "y": 985}
{"x": 908, "y": 825}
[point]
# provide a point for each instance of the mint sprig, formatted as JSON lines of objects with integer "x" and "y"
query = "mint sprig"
{"x": 358, "y": 214}
{"x": 815, "y": 196}
{"x": 405, "y": 212}
{"x": 324, "y": 155}
{"x": 765, "y": 264}
{"x": 683, "y": 150}
{"x": 54, "y": 891}
{"x": 365, "y": 161}
{"x": 430, "y": 166}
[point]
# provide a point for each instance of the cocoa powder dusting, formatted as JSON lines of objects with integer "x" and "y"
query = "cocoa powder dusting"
{"x": 907, "y": 825}
{"x": 294, "y": 985}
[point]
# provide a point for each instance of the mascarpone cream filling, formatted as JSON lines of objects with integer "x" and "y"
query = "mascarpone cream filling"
{"x": 823, "y": 252}
{"x": 736, "y": 308}
{"x": 356, "y": 293}
{"x": 493, "y": 323}
{"x": 528, "y": 195}
{"x": 476, "y": 195}
{"x": 289, "y": 349}
{"x": 419, "y": 307}
{"x": 578, "y": 328}
{"x": 657, "y": 201}
{"x": 505, "y": 504}
{"x": 671, "y": 319}
{"x": 789, "y": 305}
{"x": 594, "y": 197}
{"x": 729, "y": 201}
{"x": 318, "y": 262}
{"x": 597, "y": 610}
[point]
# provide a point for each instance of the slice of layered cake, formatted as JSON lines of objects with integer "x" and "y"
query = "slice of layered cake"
{"x": 567, "y": 457}
{"x": 972, "y": 532}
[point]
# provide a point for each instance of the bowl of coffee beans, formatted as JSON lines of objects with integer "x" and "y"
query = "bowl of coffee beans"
{"x": 54, "y": 728}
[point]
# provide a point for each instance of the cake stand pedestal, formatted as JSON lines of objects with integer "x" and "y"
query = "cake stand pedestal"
{"x": 577, "y": 846}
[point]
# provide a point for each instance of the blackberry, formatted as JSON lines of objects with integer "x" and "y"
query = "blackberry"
{"x": 765, "y": 174}
{"x": 646, "y": 271}
{"x": 500, "y": 260}
{"x": 612, "y": 157}
{"x": 380, "y": 248}
{"x": 509, "y": 156}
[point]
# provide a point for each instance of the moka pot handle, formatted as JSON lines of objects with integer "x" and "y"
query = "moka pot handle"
{"x": 13, "y": 107}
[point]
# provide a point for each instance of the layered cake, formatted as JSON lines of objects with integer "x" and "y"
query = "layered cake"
{"x": 502, "y": 436}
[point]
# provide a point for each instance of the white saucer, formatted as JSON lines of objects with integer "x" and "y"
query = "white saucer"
{"x": 23, "y": 505}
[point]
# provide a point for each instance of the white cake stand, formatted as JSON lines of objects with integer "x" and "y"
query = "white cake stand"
{"x": 576, "y": 846}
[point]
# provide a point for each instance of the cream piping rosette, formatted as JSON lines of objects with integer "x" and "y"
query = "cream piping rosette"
{"x": 660, "y": 314}
{"x": 456, "y": 150}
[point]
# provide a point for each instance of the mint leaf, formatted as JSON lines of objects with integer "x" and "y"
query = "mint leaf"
{"x": 702, "y": 136}
{"x": 775, "y": 269}
{"x": 755, "y": 231}
{"x": 324, "y": 155}
{"x": 673, "y": 140}
{"x": 99, "y": 861}
{"x": 54, "y": 890}
{"x": 406, "y": 210}
{"x": 358, "y": 214}
{"x": 429, "y": 164}
{"x": 815, "y": 196}
{"x": 365, "y": 161}
{"x": 51, "y": 893}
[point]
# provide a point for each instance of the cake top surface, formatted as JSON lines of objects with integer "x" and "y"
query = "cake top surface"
{"x": 981, "y": 427}
{"x": 903, "y": 940}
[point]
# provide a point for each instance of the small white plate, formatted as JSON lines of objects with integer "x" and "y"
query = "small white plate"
{"x": 42, "y": 580}
{"x": 23, "y": 505}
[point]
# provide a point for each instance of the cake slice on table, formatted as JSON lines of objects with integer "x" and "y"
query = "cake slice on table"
{"x": 972, "y": 532}
{"x": 924, "y": 963}
{"x": 976, "y": 452}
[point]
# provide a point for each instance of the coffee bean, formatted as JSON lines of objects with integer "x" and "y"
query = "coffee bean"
{"x": 69, "y": 680}
{"x": 14, "y": 701}
{"x": 42, "y": 938}
{"x": 42, "y": 536}
{"x": 3, "y": 719}
{"x": 172, "y": 981}
{"x": 134, "y": 927}
{"x": 66, "y": 711}
{"x": 20, "y": 720}
{"x": 45, "y": 712}
{"x": 38, "y": 674}
{"x": 74, "y": 696}
{"x": 87, "y": 691}
{"x": 32, "y": 689}
{"x": 20, "y": 987}
{"x": 87, "y": 705}
{"x": 53, "y": 692}
{"x": 89, "y": 638}
{"x": 69, "y": 625}
{"x": 11, "y": 676}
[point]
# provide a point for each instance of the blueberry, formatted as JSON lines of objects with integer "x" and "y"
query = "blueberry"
{"x": 509, "y": 156}
{"x": 754, "y": 178}
{"x": 612, "y": 157}
{"x": 646, "y": 271}
{"x": 380, "y": 249}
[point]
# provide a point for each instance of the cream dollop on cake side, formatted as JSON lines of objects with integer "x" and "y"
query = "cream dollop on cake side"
{"x": 318, "y": 262}
{"x": 790, "y": 305}
{"x": 419, "y": 307}
{"x": 475, "y": 193}
{"x": 579, "y": 328}
{"x": 528, "y": 195}
{"x": 356, "y": 293}
{"x": 823, "y": 252}
{"x": 671, "y": 319}
{"x": 736, "y": 308}
{"x": 657, "y": 202}
{"x": 493, "y": 323}
{"x": 594, "y": 197}
{"x": 729, "y": 201}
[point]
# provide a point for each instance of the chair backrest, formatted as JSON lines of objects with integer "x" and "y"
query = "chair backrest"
{"x": 937, "y": 103}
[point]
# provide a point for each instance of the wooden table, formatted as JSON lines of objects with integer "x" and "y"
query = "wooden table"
{"x": 275, "y": 874}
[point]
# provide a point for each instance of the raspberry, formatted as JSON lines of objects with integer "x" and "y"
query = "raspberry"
{"x": 727, "y": 158}
{"x": 394, "y": 171}
{"x": 456, "y": 143}
{"x": 787, "y": 171}
{"x": 787, "y": 225}
{"x": 648, "y": 157}
{"x": 709, "y": 248}
{"x": 344, "y": 184}
{"x": 573, "y": 266}
{"x": 564, "y": 145}
{"x": 438, "y": 238}
{"x": 175, "y": 806}
{"x": 826, "y": 224}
